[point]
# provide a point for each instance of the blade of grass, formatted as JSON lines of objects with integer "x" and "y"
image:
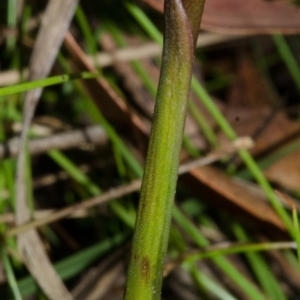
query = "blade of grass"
{"x": 295, "y": 221}
{"x": 271, "y": 159}
{"x": 74, "y": 171}
{"x": 24, "y": 87}
{"x": 86, "y": 30}
{"x": 203, "y": 280}
{"x": 91, "y": 187}
{"x": 266, "y": 278}
{"x": 288, "y": 57}
{"x": 10, "y": 275}
{"x": 97, "y": 117}
{"x": 240, "y": 249}
{"x": 220, "y": 261}
{"x": 11, "y": 23}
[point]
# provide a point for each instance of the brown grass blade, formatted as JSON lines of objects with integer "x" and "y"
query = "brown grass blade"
{"x": 105, "y": 98}
{"x": 55, "y": 23}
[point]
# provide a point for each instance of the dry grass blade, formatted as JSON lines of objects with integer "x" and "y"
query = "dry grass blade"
{"x": 106, "y": 99}
{"x": 65, "y": 140}
{"x": 102, "y": 278}
{"x": 55, "y": 23}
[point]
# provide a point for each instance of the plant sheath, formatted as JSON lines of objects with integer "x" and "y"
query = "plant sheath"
{"x": 182, "y": 22}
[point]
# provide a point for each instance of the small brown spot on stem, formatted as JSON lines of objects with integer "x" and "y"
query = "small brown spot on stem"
{"x": 145, "y": 267}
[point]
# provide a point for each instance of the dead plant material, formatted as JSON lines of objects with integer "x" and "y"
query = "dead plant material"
{"x": 247, "y": 17}
{"x": 285, "y": 171}
{"x": 217, "y": 188}
{"x": 55, "y": 22}
{"x": 60, "y": 141}
{"x": 92, "y": 279}
{"x": 105, "y": 98}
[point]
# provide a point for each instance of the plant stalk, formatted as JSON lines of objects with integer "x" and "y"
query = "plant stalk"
{"x": 182, "y": 22}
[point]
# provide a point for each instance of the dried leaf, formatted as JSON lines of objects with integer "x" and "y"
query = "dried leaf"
{"x": 248, "y": 121}
{"x": 220, "y": 190}
{"x": 250, "y": 88}
{"x": 285, "y": 172}
{"x": 247, "y": 16}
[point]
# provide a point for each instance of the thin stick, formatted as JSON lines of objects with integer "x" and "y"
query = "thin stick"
{"x": 60, "y": 141}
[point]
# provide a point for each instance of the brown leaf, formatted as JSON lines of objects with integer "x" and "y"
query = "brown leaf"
{"x": 248, "y": 121}
{"x": 247, "y": 16}
{"x": 250, "y": 88}
{"x": 285, "y": 172}
{"x": 224, "y": 193}
{"x": 105, "y": 98}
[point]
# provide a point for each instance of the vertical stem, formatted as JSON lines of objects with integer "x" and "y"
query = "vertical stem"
{"x": 182, "y": 21}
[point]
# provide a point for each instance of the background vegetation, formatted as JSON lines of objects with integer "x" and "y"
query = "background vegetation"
{"x": 231, "y": 236}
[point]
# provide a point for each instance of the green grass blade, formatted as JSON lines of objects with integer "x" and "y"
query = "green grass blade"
{"x": 86, "y": 30}
{"x": 266, "y": 279}
{"x": 296, "y": 225}
{"x": 24, "y": 87}
{"x": 10, "y": 275}
{"x": 203, "y": 280}
{"x": 220, "y": 261}
{"x": 145, "y": 22}
{"x": 288, "y": 57}
{"x": 74, "y": 171}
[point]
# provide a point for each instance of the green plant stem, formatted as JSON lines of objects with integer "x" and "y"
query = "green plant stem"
{"x": 154, "y": 33}
{"x": 158, "y": 187}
